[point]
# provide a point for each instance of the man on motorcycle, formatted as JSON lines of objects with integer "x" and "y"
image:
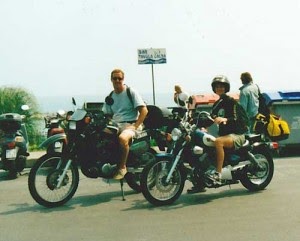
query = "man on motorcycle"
{"x": 232, "y": 120}
{"x": 129, "y": 114}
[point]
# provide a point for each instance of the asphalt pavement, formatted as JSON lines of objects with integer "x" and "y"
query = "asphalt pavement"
{"x": 97, "y": 212}
{"x": 33, "y": 156}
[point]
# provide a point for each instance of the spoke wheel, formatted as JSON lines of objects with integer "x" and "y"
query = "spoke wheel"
{"x": 44, "y": 177}
{"x": 156, "y": 189}
{"x": 133, "y": 181}
{"x": 258, "y": 178}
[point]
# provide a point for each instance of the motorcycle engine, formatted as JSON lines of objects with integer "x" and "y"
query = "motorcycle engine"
{"x": 204, "y": 162}
{"x": 99, "y": 157}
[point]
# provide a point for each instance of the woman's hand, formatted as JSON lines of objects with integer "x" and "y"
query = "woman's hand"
{"x": 220, "y": 120}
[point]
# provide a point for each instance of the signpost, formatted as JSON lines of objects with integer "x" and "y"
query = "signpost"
{"x": 152, "y": 56}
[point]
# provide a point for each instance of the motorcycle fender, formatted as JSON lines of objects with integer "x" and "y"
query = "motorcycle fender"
{"x": 240, "y": 166}
{"x": 53, "y": 139}
{"x": 260, "y": 145}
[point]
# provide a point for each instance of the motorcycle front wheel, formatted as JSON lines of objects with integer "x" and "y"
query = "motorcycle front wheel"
{"x": 258, "y": 178}
{"x": 43, "y": 180}
{"x": 156, "y": 189}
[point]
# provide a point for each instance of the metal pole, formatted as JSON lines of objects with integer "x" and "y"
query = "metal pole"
{"x": 153, "y": 84}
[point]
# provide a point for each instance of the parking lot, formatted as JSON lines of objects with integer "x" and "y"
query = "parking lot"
{"x": 97, "y": 212}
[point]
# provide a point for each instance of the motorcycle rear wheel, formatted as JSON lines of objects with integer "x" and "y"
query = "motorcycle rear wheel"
{"x": 43, "y": 178}
{"x": 154, "y": 186}
{"x": 255, "y": 179}
{"x": 133, "y": 179}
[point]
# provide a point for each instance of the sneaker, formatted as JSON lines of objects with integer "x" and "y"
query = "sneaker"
{"x": 120, "y": 174}
{"x": 196, "y": 190}
{"x": 216, "y": 177}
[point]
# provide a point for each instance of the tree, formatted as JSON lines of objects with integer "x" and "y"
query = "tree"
{"x": 11, "y": 100}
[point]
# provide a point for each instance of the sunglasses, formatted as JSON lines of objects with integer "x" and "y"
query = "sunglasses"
{"x": 117, "y": 78}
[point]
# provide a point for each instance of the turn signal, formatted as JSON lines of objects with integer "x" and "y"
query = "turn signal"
{"x": 274, "y": 145}
{"x": 168, "y": 137}
{"x": 87, "y": 120}
{"x": 188, "y": 138}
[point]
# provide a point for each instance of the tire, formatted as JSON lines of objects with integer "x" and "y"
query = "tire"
{"x": 133, "y": 181}
{"x": 43, "y": 178}
{"x": 255, "y": 179}
{"x": 154, "y": 187}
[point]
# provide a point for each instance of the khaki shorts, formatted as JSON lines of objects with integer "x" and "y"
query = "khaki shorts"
{"x": 132, "y": 132}
{"x": 238, "y": 140}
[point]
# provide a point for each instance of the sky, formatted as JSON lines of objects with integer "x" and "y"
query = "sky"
{"x": 69, "y": 47}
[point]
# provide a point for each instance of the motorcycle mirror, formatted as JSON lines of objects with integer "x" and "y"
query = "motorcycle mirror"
{"x": 109, "y": 100}
{"x": 73, "y": 101}
{"x": 25, "y": 107}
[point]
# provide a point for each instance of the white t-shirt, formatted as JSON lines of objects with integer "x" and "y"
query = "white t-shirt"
{"x": 181, "y": 99}
{"x": 122, "y": 109}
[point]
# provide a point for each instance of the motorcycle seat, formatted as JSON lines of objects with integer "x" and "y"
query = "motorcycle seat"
{"x": 253, "y": 137}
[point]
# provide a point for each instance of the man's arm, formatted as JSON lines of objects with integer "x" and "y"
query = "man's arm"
{"x": 143, "y": 113}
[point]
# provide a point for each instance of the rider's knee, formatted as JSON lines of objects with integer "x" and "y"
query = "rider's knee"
{"x": 124, "y": 140}
{"x": 219, "y": 142}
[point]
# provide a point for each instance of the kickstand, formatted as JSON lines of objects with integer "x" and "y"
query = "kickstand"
{"x": 122, "y": 189}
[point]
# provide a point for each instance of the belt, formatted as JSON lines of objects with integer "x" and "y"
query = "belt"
{"x": 130, "y": 122}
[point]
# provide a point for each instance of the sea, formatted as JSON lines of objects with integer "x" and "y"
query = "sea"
{"x": 50, "y": 104}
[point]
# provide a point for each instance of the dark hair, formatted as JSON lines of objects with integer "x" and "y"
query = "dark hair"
{"x": 246, "y": 78}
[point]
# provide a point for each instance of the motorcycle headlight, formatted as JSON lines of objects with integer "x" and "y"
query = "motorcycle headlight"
{"x": 72, "y": 125}
{"x": 176, "y": 134}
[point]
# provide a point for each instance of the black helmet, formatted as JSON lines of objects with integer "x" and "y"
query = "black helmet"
{"x": 221, "y": 79}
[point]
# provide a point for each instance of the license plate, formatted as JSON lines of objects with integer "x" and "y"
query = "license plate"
{"x": 11, "y": 153}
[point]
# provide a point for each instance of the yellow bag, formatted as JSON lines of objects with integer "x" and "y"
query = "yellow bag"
{"x": 278, "y": 129}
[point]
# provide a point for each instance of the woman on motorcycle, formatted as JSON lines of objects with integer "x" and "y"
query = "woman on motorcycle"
{"x": 232, "y": 120}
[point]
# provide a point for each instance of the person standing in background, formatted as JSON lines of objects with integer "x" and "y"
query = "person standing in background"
{"x": 249, "y": 94}
{"x": 180, "y": 97}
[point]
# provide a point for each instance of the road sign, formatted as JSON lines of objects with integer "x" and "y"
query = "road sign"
{"x": 152, "y": 56}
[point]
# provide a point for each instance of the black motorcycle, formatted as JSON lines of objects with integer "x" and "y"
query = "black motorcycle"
{"x": 192, "y": 157}
{"x": 13, "y": 142}
{"x": 92, "y": 144}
